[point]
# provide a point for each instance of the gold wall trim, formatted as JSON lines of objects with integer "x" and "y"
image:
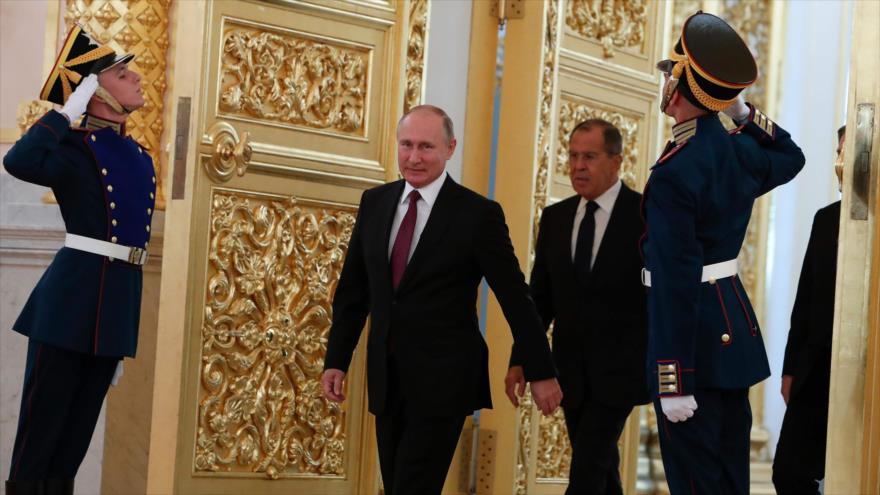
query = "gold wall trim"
{"x": 346, "y": 15}
{"x": 315, "y": 175}
{"x": 50, "y": 40}
{"x": 139, "y": 27}
{"x": 416, "y": 50}
{"x": 290, "y": 77}
{"x": 545, "y": 139}
{"x": 273, "y": 264}
{"x": 592, "y": 65}
{"x": 9, "y": 135}
{"x": 613, "y": 24}
{"x": 316, "y": 157}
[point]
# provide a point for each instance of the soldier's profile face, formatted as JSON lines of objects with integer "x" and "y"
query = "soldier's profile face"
{"x": 591, "y": 169}
{"x": 124, "y": 84}
{"x": 422, "y": 148}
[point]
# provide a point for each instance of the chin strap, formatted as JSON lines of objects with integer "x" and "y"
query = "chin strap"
{"x": 110, "y": 100}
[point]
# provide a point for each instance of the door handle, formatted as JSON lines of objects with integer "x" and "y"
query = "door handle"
{"x": 231, "y": 153}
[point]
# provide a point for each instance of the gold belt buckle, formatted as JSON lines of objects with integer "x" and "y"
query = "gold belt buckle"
{"x": 137, "y": 256}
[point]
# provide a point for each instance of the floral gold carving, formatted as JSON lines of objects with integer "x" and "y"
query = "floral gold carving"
{"x": 614, "y": 24}
{"x": 526, "y": 411}
{"x": 139, "y": 27}
{"x": 415, "y": 53}
{"x": 570, "y": 114}
{"x": 30, "y": 112}
{"x": 291, "y": 78}
{"x": 274, "y": 263}
{"x": 752, "y": 20}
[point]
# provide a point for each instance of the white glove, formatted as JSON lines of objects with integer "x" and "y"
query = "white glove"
{"x": 678, "y": 408}
{"x": 738, "y": 111}
{"x": 117, "y": 374}
{"x": 79, "y": 100}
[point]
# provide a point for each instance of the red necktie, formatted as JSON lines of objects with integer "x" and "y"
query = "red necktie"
{"x": 400, "y": 251}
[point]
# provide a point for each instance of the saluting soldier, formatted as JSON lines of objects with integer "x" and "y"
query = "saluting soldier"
{"x": 705, "y": 348}
{"x": 82, "y": 317}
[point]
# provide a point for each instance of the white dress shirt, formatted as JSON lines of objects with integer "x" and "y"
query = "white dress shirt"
{"x": 603, "y": 213}
{"x": 425, "y": 204}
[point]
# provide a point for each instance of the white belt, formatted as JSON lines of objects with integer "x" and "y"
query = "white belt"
{"x": 133, "y": 255}
{"x": 711, "y": 273}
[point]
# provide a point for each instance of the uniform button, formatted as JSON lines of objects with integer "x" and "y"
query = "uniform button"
{"x": 154, "y": 179}
{"x": 94, "y": 138}
{"x": 152, "y": 196}
{"x": 725, "y": 338}
{"x": 147, "y": 244}
{"x": 113, "y": 239}
{"x": 114, "y": 222}
{"x": 109, "y": 188}
{"x": 148, "y": 228}
{"x": 103, "y": 171}
{"x": 712, "y": 281}
{"x": 149, "y": 211}
{"x": 112, "y": 205}
{"x": 140, "y": 150}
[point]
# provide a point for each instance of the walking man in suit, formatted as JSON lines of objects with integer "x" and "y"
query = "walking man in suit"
{"x": 587, "y": 279}
{"x": 82, "y": 318}
{"x": 806, "y": 371}
{"x": 418, "y": 251}
{"x": 705, "y": 349}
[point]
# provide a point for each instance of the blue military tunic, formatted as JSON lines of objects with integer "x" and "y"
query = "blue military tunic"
{"x": 105, "y": 186}
{"x": 697, "y": 205}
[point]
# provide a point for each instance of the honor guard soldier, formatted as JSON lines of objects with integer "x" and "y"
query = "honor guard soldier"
{"x": 705, "y": 348}
{"x": 82, "y": 317}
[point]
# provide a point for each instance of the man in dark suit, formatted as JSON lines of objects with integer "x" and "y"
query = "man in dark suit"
{"x": 704, "y": 346}
{"x": 587, "y": 279}
{"x": 418, "y": 251}
{"x": 806, "y": 370}
{"x": 82, "y": 317}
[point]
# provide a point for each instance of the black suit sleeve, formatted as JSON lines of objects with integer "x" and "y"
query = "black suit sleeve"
{"x": 499, "y": 265}
{"x": 540, "y": 288}
{"x": 351, "y": 303}
{"x": 800, "y": 313}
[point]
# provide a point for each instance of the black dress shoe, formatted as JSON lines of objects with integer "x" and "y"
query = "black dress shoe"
{"x": 26, "y": 487}
{"x": 59, "y": 487}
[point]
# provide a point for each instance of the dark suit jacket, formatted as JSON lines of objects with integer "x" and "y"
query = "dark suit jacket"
{"x": 600, "y": 331}
{"x": 105, "y": 186}
{"x": 808, "y": 351}
{"x": 430, "y": 321}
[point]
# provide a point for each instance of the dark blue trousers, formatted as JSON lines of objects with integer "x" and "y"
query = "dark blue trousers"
{"x": 708, "y": 453}
{"x": 60, "y": 403}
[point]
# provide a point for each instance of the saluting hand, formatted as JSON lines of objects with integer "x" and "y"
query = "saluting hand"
{"x": 78, "y": 101}
{"x": 547, "y": 395}
{"x": 331, "y": 380}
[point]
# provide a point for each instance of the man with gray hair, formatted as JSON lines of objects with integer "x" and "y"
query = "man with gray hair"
{"x": 418, "y": 251}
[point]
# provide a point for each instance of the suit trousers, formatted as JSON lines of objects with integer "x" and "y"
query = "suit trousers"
{"x": 800, "y": 453}
{"x": 708, "y": 453}
{"x": 414, "y": 451}
{"x": 594, "y": 430}
{"x": 60, "y": 403}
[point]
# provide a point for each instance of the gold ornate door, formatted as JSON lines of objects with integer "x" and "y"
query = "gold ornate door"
{"x": 284, "y": 113}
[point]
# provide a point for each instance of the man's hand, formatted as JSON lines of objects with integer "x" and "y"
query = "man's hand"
{"x": 738, "y": 111}
{"x": 78, "y": 101}
{"x": 547, "y": 395}
{"x": 678, "y": 408}
{"x": 786, "y": 387}
{"x": 515, "y": 384}
{"x": 331, "y": 380}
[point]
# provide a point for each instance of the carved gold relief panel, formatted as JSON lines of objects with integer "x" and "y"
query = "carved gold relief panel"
{"x": 273, "y": 266}
{"x": 139, "y": 27}
{"x": 613, "y": 32}
{"x": 291, "y": 78}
